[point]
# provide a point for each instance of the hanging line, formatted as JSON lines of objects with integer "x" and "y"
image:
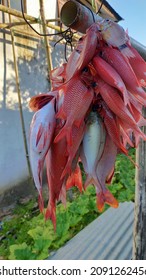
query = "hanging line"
{"x": 40, "y": 34}
{"x": 102, "y": 2}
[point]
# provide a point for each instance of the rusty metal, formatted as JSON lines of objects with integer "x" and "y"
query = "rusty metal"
{"x": 77, "y": 16}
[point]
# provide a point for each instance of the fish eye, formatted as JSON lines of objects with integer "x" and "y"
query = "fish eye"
{"x": 94, "y": 84}
{"x": 85, "y": 69}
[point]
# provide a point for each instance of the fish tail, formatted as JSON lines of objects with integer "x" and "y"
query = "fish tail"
{"x": 127, "y": 52}
{"x": 138, "y": 135}
{"x": 110, "y": 199}
{"x": 100, "y": 201}
{"x": 133, "y": 162}
{"x": 110, "y": 176}
{"x": 141, "y": 122}
{"x": 41, "y": 202}
{"x": 51, "y": 213}
{"x": 67, "y": 170}
{"x": 75, "y": 179}
{"x": 92, "y": 179}
{"x": 62, "y": 195}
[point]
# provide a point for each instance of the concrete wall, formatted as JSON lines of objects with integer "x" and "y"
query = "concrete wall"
{"x": 33, "y": 78}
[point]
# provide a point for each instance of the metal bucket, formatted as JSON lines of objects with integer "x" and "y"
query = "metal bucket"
{"x": 77, "y": 16}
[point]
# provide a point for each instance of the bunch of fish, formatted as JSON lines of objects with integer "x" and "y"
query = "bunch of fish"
{"x": 92, "y": 113}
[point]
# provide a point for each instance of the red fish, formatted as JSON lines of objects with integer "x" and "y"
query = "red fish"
{"x": 115, "y": 35}
{"x": 124, "y": 133}
{"x": 117, "y": 60}
{"x": 88, "y": 49}
{"x": 104, "y": 169}
{"x": 77, "y": 99}
{"x": 72, "y": 64}
{"x": 77, "y": 137}
{"x": 55, "y": 162}
{"x": 129, "y": 131}
{"x": 113, "y": 100}
{"x": 75, "y": 179}
{"x": 138, "y": 65}
{"x": 110, "y": 76}
{"x": 58, "y": 76}
{"x": 111, "y": 127}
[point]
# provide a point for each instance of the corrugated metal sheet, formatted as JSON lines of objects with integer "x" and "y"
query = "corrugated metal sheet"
{"x": 109, "y": 237}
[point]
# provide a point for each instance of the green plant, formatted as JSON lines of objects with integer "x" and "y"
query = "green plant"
{"x": 30, "y": 237}
{"x": 123, "y": 185}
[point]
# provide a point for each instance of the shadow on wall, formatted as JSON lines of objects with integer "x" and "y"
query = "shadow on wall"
{"x": 33, "y": 74}
{"x": 33, "y": 79}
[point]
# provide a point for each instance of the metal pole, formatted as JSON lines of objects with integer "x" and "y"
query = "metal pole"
{"x": 77, "y": 16}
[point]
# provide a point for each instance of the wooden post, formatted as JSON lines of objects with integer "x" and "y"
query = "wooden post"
{"x": 19, "y": 98}
{"x": 30, "y": 18}
{"x": 46, "y": 40}
{"x": 139, "y": 234}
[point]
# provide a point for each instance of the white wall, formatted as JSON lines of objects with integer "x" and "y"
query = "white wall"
{"x": 31, "y": 60}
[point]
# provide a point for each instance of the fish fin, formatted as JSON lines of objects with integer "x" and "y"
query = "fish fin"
{"x": 64, "y": 132}
{"x": 41, "y": 202}
{"x": 39, "y": 134}
{"x": 141, "y": 122}
{"x": 138, "y": 136}
{"x": 38, "y": 101}
{"x": 61, "y": 114}
{"x": 75, "y": 179}
{"x": 62, "y": 195}
{"x": 127, "y": 52}
{"x": 110, "y": 176}
{"x": 110, "y": 199}
{"x": 51, "y": 213}
{"x": 132, "y": 161}
{"x": 67, "y": 170}
{"x": 78, "y": 122}
{"x": 100, "y": 201}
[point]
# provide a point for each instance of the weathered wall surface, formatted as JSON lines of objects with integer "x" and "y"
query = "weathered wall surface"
{"x": 33, "y": 78}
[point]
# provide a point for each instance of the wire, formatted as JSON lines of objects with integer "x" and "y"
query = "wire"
{"x": 68, "y": 38}
{"x": 102, "y": 2}
{"x": 40, "y": 34}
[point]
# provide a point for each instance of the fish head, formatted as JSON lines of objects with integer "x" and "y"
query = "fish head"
{"x": 86, "y": 76}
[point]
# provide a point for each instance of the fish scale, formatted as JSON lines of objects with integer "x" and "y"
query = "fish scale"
{"x": 110, "y": 76}
{"x": 77, "y": 99}
{"x": 116, "y": 59}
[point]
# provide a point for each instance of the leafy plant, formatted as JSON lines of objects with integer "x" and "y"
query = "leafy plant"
{"x": 30, "y": 237}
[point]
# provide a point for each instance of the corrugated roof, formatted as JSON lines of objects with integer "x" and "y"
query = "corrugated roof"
{"x": 109, "y": 237}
